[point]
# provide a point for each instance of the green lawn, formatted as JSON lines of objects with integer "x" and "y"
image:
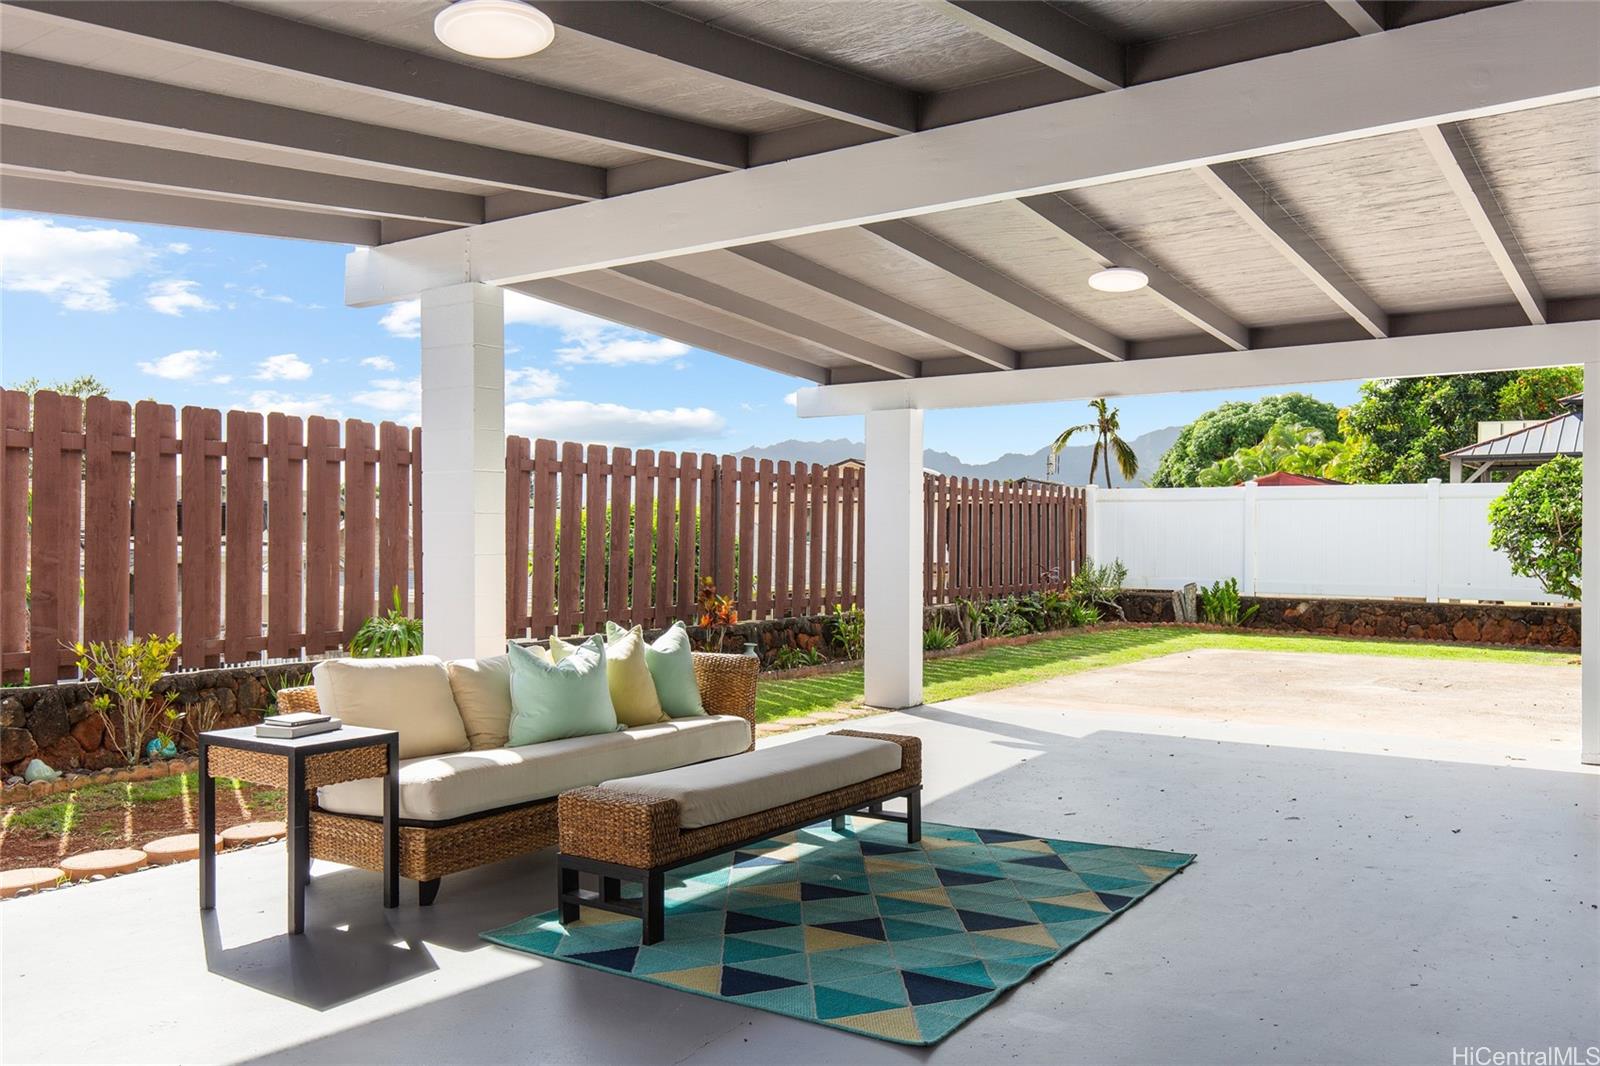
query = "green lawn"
{"x": 984, "y": 671}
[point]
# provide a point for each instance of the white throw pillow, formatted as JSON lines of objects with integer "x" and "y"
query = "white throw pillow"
{"x": 482, "y": 688}
{"x": 411, "y": 695}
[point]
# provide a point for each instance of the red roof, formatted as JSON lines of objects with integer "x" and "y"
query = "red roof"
{"x": 1282, "y": 478}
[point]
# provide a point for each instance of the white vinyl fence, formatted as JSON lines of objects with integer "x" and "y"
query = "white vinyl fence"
{"x": 1428, "y": 542}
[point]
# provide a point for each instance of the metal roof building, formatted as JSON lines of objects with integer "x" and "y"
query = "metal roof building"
{"x": 1523, "y": 448}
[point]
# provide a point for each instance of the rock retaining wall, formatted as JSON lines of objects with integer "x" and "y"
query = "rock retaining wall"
{"x": 1472, "y": 623}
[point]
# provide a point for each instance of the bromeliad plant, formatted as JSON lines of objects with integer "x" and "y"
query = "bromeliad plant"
{"x": 716, "y": 612}
{"x": 938, "y": 637}
{"x": 1221, "y": 606}
{"x": 849, "y": 627}
{"x": 127, "y": 672}
{"x": 790, "y": 657}
{"x": 390, "y": 636}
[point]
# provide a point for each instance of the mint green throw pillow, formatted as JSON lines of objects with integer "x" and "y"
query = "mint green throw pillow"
{"x": 671, "y": 666}
{"x": 551, "y": 700}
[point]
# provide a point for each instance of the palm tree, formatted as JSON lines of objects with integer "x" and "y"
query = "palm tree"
{"x": 1108, "y": 442}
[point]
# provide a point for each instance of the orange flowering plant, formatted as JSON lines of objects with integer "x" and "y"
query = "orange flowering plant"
{"x": 716, "y": 612}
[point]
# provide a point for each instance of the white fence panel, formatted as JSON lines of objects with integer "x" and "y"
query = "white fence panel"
{"x": 1386, "y": 541}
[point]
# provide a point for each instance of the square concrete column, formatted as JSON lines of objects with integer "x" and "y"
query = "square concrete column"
{"x": 892, "y": 559}
{"x": 463, "y": 471}
{"x": 1590, "y": 619}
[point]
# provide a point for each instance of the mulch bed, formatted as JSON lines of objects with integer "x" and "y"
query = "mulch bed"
{"x": 43, "y": 831}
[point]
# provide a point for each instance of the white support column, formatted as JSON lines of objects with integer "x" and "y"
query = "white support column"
{"x": 1590, "y": 619}
{"x": 1432, "y": 541}
{"x": 894, "y": 559}
{"x": 463, "y": 471}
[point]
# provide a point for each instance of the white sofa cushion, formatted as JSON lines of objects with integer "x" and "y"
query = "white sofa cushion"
{"x": 482, "y": 689}
{"x": 450, "y": 786}
{"x": 761, "y": 780}
{"x": 410, "y": 694}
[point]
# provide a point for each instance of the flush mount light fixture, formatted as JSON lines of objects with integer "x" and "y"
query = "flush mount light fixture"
{"x": 494, "y": 29}
{"x": 1118, "y": 279}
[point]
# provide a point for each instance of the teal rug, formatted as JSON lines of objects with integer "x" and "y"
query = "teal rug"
{"x": 861, "y": 932}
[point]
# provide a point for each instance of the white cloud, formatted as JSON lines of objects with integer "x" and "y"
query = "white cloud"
{"x": 610, "y": 423}
{"x": 286, "y": 367}
{"x": 588, "y": 339}
{"x": 620, "y": 348}
{"x": 76, "y": 266}
{"x": 180, "y": 366}
{"x": 222, "y": 379}
{"x": 174, "y": 296}
{"x": 792, "y": 398}
{"x": 178, "y": 248}
{"x": 378, "y": 362}
{"x": 400, "y": 397}
{"x": 531, "y": 383}
{"x": 267, "y": 401}
{"x": 404, "y": 319}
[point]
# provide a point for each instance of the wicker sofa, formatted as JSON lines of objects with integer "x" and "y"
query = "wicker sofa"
{"x": 442, "y": 831}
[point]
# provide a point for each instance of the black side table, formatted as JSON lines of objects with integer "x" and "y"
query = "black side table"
{"x": 350, "y": 753}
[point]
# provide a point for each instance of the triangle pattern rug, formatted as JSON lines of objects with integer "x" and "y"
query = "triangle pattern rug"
{"x": 860, "y": 931}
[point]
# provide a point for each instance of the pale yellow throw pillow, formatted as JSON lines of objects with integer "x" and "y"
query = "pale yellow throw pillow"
{"x": 482, "y": 689}
{"x": 633, "y": 691}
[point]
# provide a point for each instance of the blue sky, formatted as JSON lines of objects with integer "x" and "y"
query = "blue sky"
{"x": 223, "y": 320}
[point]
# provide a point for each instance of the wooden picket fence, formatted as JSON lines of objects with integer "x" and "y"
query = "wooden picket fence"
{"x": 251, "y": 535}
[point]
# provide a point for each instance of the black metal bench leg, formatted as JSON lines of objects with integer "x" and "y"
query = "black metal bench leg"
{"x": 427, "y": 892}
{"x": 566, "y": 885}
{"x": 840, "y": 824}
{"x": 655, "y": 909}
{"x": 914, "y": 816}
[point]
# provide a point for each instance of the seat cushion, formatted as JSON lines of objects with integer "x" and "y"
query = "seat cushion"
{"x": 450, "y": 786}
{"x": 482, "y": 688}
{"x": 410, "y": 694}
{"x": 769, "y": 777}
{"x": 553, "y": 700}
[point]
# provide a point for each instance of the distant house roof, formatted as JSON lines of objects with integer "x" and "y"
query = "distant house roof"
{"x": 1281, "y": 477}
{"x": 1561, "y": 435}
{"x": 861, "y": 464}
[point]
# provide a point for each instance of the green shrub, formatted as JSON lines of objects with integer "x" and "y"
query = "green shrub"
{"x": 1221, "y": 606}
{"x": 127, "y": 672}
{"x": 790, "y": 657}
{"x": 1080, "y": 613}
{"x": 1538, "y": 523}
{"x": 389, "y": 636}
{"x": 938, "y": 637}
{"x": 1099, "y": 586}
{"x": 849, "y": 630}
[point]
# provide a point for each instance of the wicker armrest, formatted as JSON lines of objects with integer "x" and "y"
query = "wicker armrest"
{"x": 728, "y": 685}
{"x": 616, "y": 826}
{"x": 303, "y": 698}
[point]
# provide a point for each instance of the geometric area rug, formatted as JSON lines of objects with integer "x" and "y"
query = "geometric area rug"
{"x": 860, "y": 931}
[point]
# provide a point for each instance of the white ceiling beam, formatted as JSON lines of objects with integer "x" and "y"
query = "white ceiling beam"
{"x": 624, "y": 313}
{"x": 40, "y": 86}
{"x": 24, "y": 193}
{"x": 43, "y": 154}
{"x": 890, "y": 309}
{"x": 1511, "y": 348}
{"x": 1251, "y": 201}
{"x": 1046, "y": 35}
{"x": 256, "y": 40}
{"x": 778, "y": 75}
{"x": 717, "y": 297}
{"x": 1363, "y": 16}
{"x": 1107, "y": 249}
{"x": 1482, "y": 62}
{"x": 913, "y": 240}
{"x": 1449, "y": 148}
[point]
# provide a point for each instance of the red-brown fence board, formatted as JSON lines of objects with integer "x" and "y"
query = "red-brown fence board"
{"x": 47, "y": 544}
{"x": 798, "y": 516}
{"x": 323, "y": 626}
{"x": 242, "y": 528}
{"x": 108, "y": 485}
{"x": 621, "y": 525}
{"x": 666, "y": 536}
{"x": 644, "y": 536}
{"x": 285, "y": 503}
{"x": 688, "y": 534}
{"x": 415, "y": 460}
{"x": 394, "y": 516}
{"x": 594, "y": 566}
{"x": 15, "y": 444}
{"x": 569, "y": 564}
{"x": 200, "y": 527}
{"x": 360, "y": 525}
{"x": 542, "y": 578}
{"x": 519, "y": 482}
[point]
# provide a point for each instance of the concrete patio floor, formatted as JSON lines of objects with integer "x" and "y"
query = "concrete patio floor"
{"x": 1360, "y": 896}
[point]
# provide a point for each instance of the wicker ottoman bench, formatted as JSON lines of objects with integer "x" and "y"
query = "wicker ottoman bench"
{"x": 636, "y": 829}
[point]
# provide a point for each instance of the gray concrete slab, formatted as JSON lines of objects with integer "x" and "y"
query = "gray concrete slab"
{"x": 1359, "y": 897}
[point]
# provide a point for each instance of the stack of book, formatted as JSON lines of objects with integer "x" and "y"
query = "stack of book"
{"x": 299, "y": 724}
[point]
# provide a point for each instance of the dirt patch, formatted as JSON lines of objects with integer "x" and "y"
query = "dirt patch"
{"x": 124, "y": 815}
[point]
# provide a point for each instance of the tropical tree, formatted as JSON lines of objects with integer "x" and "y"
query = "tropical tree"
{"x": 1224, "y": 430}
{"x": 83, "y": 386}
{"x": 1535, "y": 393}
{"x": 1292, "y": 448}
{"x": 1399, "y": 428}
{"x": 1538, "y": 523}
{"x": 1108, "y": 442}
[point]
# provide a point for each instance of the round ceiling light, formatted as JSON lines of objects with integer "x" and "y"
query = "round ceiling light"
{"x": 1118, "y": 279}
{"x": 494, "y": 29}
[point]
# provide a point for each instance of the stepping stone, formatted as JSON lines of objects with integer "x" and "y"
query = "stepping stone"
{"x": 174, "y": 849}
{"x": 107, "y": 862}
{"x": 252, "y": 833}
{"x": 29, "y": 878}
{"x": 832, "y": 716}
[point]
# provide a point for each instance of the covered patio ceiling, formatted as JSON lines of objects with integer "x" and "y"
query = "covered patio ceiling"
{"x": 864, "y": 192}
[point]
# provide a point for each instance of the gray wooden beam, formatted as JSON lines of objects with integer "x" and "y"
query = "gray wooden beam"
{"x": 612, "y": 309}
{"x": 45, "y": 154}
{"x": 709, "y": 294}
{"x": 918, "y": 242}
{"x": 1044, "y": 34}
{"x": 1364, "y": 16}
{"x": 1238, "y": 188}
{"x": 1107, "y": 249}
{"x": 774, "y": 73}
{"x": 1451, "y": 151}
{"x": 41, "y": 86}
{"x": 256, "y": 39}
{"x": 27, "y": 193}
{"x": 783, "y": 262}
